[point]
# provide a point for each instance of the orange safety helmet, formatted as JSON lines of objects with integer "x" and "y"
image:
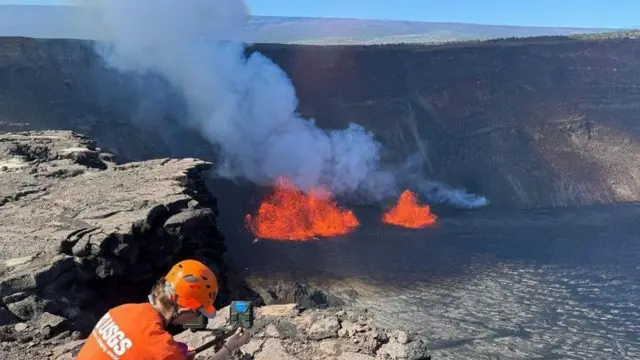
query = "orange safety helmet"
{"x": 193, "y": 286}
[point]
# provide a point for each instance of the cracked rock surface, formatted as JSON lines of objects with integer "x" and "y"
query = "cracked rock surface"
{"x": 77, "y": 229}
{"x": 288, "y": 332}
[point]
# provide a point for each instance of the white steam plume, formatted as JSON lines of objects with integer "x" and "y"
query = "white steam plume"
{"x": 412, "y": 172}
{"x": 246, "y": 106}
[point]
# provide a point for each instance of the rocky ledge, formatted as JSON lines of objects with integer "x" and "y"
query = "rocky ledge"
{"x": 287, "y": 332}
{"x": 80, "y": 233}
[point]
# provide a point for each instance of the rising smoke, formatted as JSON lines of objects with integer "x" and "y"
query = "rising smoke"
{"x": 244, "y": 105}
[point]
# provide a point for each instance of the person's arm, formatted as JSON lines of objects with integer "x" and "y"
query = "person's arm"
{"x": 234, "y": 342}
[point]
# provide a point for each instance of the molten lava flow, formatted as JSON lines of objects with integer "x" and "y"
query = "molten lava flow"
{"x": 289, "y": 214}
{"x": 408, "y": 213}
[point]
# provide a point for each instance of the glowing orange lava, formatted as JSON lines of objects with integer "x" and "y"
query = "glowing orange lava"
{"x": 290, "y": 214}
{"x": 408, "y": 213}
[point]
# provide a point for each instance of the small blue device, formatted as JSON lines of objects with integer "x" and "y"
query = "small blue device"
{"x": 241, "y": 314}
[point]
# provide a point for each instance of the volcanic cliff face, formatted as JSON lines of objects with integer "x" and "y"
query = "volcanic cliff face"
{"x": 80, "y": 233}
{"x": 527, "y": 124}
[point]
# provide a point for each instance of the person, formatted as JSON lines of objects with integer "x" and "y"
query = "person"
{"x": 138, "y": 331}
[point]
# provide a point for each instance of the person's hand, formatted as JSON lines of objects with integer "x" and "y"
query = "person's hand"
{"x": 190, "y": 355}
{"x": 184, "y": 348}
{"x": 235, "y": 341}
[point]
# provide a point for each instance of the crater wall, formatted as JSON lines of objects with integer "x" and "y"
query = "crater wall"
{"x": 529, "y": 124}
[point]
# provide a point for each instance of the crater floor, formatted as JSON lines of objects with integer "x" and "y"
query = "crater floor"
{"x": 556, "y": 283}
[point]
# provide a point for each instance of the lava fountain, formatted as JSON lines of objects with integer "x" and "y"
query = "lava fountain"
{"x": 289, "y": 214}
{"x": 408, "y": 213}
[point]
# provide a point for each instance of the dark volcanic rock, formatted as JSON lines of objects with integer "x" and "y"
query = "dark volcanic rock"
{"x": 27, "y": 308}
{"x": 7, "y": 317}
{"x": 79, "y": 232}
{"x": 288, "y": 291}
{"x": 50, "y": 324}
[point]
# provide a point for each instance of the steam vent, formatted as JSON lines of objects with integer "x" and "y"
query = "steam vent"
{"x": 463, "y": 200}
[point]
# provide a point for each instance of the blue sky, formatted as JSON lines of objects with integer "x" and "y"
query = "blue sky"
{"x": 571, "y": 13}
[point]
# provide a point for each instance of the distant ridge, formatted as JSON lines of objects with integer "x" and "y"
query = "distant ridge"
{"x": 356, "y": 31}
{"x": 41, "y": 21}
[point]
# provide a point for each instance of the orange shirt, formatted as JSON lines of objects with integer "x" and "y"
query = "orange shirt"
{"x": 128, "y": 332}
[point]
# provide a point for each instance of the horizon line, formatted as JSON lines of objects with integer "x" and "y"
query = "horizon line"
{"x": 370, "y": 19}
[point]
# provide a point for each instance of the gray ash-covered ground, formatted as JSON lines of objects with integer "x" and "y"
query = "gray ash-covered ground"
{"x": 548, "y": 283}
{"x": 291, "y": 332}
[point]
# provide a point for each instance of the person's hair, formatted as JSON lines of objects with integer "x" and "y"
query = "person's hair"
{"x": 159, "y": 294}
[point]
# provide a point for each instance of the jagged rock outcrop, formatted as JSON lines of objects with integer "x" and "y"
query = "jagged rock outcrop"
{"x": 289, "y": 332}
{"x": 290, "y": 291}
{"x": 80, "y": 232}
